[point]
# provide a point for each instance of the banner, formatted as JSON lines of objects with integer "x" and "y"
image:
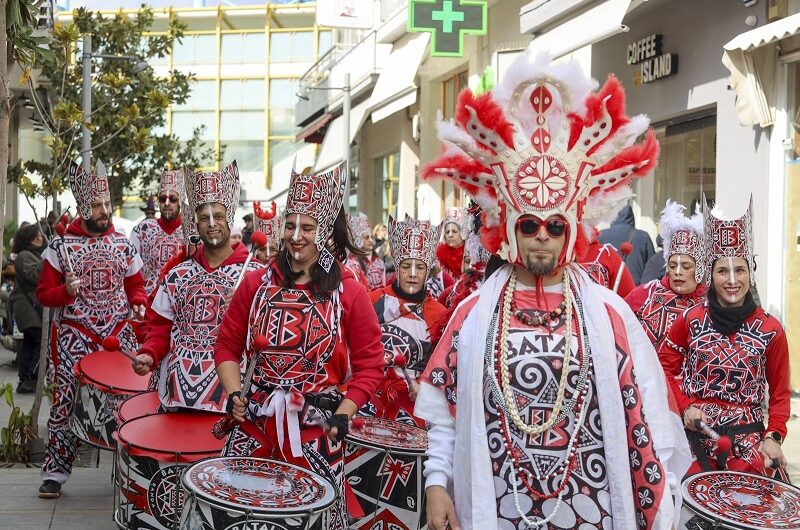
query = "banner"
{"x": 355, "y": 14}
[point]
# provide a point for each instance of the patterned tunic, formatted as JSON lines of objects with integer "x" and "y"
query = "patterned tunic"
{"x": 657, "y": 307}
{"x": 156, "y": 246}
{"x": 375, "y": 273}
{"x": 191, "y": 298}
{"x": 724, "y": 376}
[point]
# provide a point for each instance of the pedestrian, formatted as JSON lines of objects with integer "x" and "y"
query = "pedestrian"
{"x": 29, "y": 243}
{"x": 149, "y": 207}
{"x": 247, "y": 231}
{"x": 623, "y": 230}
{"x": 92, "y": 276}
{"x": 546, "y": 404}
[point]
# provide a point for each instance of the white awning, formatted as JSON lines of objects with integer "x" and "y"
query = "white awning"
{"x": 591, "y": 26}
{"x": 332, "y": 150}
{"x": 395, "y": 89}
{"x": 752, "y": 58}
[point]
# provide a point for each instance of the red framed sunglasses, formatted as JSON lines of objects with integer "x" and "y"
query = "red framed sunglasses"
{"x": 530, "y": 226}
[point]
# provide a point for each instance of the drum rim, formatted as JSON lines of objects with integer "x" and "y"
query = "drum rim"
{"x": 124, "y": 443}
{"x": 192, "y": 490}
{"x": 122, "y": 420}
{"x": 83, "y": 377}
{"x": 735, "y": 525}
{"x": 350, "y": 438}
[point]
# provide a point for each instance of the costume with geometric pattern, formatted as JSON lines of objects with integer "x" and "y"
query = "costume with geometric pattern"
{"x": 156, "y": 241}
{"x": 315, "y": 344}
{"x": 185, "y": 313}
{"x": 109, "y": 270}
{"x": 605, "y": 266}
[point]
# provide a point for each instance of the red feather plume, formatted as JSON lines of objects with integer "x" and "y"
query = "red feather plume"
{"x": 489, "y": 113}
{"x": 647, "y": 150}
{"x": 594, "y": 110}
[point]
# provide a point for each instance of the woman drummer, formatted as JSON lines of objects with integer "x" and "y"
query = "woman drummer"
{"x": 309, "y": 326}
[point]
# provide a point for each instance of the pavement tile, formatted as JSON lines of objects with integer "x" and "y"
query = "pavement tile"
{"x": 26, "y": 517}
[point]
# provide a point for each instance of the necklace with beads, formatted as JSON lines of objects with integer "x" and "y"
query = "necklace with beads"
{"x": 539, "y": 318}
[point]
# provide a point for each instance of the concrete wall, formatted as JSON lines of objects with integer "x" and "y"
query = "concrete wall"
{"x": 696, "y": 32}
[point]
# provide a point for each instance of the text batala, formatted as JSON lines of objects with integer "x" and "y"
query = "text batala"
{"x": 653, "y": 65}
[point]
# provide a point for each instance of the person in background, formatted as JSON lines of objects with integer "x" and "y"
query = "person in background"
{"x": 623, "y": 230}
{"x": 247, "y": 231}
{"x": 29, "y": 243}
{"x": 371, "y": 266}
{"x": 656, "y": 266}
{"x": 236, "y": 235}
{"x": 450, "y": 252}
{"x": 149, "y": 208}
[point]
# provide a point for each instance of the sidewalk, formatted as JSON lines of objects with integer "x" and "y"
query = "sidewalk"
{"x": 87, "y": 500}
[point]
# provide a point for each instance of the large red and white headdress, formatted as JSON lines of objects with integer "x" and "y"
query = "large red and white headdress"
{"x": 206, "y": 187}
{"x": 542, "y": 143}
{"x": 683, "y": 235}
{"x": 171, "y": 182}
{"x": 268, "y": 222}
{"x": 359, "y": 227}
{"x": 320, "y": 197}
{"x": 88, "y": 187}
{"x": 413, "y": 239}
{"x": 729, "y": 238}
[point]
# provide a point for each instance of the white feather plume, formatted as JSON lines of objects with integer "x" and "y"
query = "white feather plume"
{"x": 673, "y": 219}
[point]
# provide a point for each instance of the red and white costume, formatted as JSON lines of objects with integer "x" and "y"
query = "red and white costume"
{"x": 109, "y": 269}
{"x": 604, "y": 265}
{"x": 315, "y": 344}
{"x": 450, "y": 258}
{"x": 726, "y": 375}
{"x": 189, "y": 306}
{"x": 543, "y": 144}
{"x": 157, "y": 240}
{"x": 268, "y": 223}
{"x": 370, "y": 270}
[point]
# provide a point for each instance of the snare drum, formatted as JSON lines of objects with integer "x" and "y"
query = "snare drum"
{"x": 741, "y": 501}
{"x": 242, "y": 493}
{"x": 137, "y": 406}
{"x": 152, "y": 453}
{"x": 383, "y": 464}
{"x": 106, "y": 379}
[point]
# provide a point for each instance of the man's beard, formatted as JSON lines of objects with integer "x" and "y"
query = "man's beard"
{"x": 94, "y": 226}
{"x": 169, "y": 216}
{"x": 541, "y": 268}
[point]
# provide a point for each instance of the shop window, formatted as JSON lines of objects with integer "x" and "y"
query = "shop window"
{"x": 291, "y": 46}
{"x": 281, "y": 106}
{"x": 687, "y": 166}
{"x": 387, "y": 168}
{"x": 451, "y": 88}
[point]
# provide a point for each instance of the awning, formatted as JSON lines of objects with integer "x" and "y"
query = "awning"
{"x": 310, "y": 133}
{"x": 591, "y": 26}
{"x": 395, "y": 89}
{"x": 752, "y": 58}
{"x": 332, "y": 150}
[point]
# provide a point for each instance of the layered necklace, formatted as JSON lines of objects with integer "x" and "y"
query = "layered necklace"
{"x": 502, "y": 393}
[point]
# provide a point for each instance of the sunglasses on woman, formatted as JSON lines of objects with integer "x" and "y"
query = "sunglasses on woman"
{"x": 530, "y": 226}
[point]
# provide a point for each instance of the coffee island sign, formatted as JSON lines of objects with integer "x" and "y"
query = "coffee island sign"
{"x": 652, "y": 64}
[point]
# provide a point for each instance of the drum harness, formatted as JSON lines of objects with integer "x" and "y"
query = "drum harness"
{"x": 696, "y": 443}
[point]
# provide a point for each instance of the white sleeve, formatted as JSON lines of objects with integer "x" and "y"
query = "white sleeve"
{"x": 51, "y": 256}
{"x": 135, "y": 241}
{"x": 162, "y": 303}
{"x": 432, "y": 406}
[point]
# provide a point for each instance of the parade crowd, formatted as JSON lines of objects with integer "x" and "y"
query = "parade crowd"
{"x": 512, "y": 367}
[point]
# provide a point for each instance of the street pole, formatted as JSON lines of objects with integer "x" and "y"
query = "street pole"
{"x": 86, "y": 134}
{"x": 346, "y": 120}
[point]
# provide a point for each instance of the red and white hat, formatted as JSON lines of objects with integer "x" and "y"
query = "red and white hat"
{"x": 459, "y": 216}
{"x": 267, "y": 221}
{"x": 413, "y": 239}
{"x": 683, "y": 235}
{"x": 171, "y": 182}
{"x": 542, "y": 143}
{"x": 729, "y": 238}
{"x": 320, "y": 197}
{"x": 206, "y": 187}
{"x": 359, "y": 227}
{"x": 88, "y": 187}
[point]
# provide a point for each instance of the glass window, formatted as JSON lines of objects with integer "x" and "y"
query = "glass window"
{"x": 185, "y": 122}
{"x": 291, "y": 46}
{"x": 325, "y": 42}
{"x": 243, "y": 48}
{"x": 242, "y": 94}
{"x": 195, "y": 49}
{"x": 451, "y": 88}
{"x": 249, "y": 154}
{"x": 280, "y": 150}
{"x": 281, "y": 106}
{"x": 241, "y": 124}
{"x": 202, "y": 95}
{"x": 387, "y": 168}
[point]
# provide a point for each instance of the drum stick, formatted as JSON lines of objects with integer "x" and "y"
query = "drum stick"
{"x": 723, "y": 442}
{"x": 257, "y": 240}
{"x": 401, "y": 362}
{"x": 113, "y": 344}
{"x": 225, "y": 425}
{"x": 61, "y": 230}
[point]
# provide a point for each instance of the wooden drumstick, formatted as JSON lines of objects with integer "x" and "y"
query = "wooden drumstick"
{"x": 61, "y": 230}
{"x": 723, "y": 442}
{"x": 401, "y": 362}
{"x": 225, "y": 425}
{"x": 113, "y": 344}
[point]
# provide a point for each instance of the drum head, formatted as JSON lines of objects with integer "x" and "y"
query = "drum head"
{"x": 138, "y": 406}
{"x": 264, "y": 487}
{"x": 743, "y": 501}
{"x": 171, "y": 436}
{"x": 383, "y": 434}
{"x": 111, "y": 372}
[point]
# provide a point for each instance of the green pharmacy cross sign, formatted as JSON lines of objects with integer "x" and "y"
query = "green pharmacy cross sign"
{"x": 447, "y": 21}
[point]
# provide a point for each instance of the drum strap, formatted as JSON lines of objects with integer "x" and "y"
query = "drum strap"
{"x": 696, "y": 442}
{"x": 329, "y": 401}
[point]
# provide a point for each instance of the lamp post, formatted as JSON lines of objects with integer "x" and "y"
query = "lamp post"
{"x": 86, "y": 96}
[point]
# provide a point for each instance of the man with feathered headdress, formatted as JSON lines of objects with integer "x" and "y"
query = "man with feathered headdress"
{"x": 192, "y": 297}
{"x": 92, "y": 275}
{"x": 544, "y": 383}
{"x": 157, "y": 240}
{"x": 729, "y": 352}
{"x": 658, "y": 303}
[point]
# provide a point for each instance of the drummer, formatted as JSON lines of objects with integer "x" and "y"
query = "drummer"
{"x": 319, "y": 330}
{"x": 406, "y": 314}
{"x": 728, "y": 350}
{"x": 92, "y": 276}
{"x": 191, "y": 299}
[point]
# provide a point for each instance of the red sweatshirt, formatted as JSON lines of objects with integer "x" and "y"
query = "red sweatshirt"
{"x": 358, "y": 352}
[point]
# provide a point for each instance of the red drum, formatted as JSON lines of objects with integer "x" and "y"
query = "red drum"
{"x": 152, "y": 453}
{"x": 741, "y": 501}
{"x": 383, "y": 464}
{"x": 242, "y": 493}
{"x": 106, "y": 379}
{"x": 137, "y": 406}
